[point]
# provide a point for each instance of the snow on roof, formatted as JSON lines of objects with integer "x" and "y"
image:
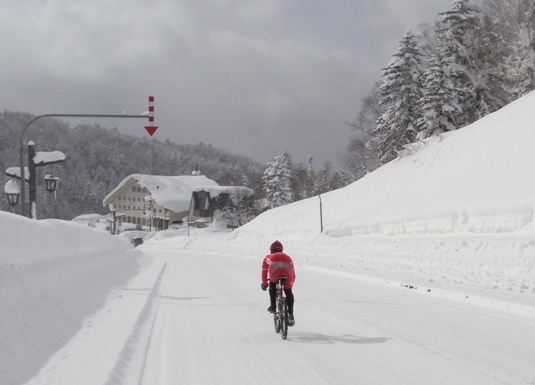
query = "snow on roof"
{"x": 170, "y": 192}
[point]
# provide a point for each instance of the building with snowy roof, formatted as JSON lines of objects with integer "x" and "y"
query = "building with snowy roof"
{"x": 158, "y": 201}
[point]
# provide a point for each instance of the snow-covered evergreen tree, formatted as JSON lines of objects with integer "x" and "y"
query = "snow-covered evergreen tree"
{"x": 323, "y": 181}
{"x": 401, "y": 89}
{"x": 311, "y": 177}
{"x": 489, "y": 51}
{"x": 438, "y": 106}
{"x": 455, "y": 38}
{"x": 277, "y": 180}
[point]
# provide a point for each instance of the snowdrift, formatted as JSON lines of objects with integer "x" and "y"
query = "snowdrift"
{"x": 53, "y": 275}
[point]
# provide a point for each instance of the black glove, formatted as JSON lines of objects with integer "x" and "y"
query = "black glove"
{"x": 264, "y": 287}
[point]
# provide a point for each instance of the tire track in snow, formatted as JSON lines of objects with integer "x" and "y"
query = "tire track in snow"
{"x": 131, "y": 363}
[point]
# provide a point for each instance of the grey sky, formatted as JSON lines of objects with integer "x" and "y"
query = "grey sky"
{"x": 250, "y": 76}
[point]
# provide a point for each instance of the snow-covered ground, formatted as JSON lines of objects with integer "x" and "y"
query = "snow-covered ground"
{"x": 424, "y": 273}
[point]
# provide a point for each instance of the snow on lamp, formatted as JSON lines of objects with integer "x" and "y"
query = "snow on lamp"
{"x": 12, "y": 192}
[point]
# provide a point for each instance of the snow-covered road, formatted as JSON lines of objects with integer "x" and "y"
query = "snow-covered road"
{"x": 206, "y": 322}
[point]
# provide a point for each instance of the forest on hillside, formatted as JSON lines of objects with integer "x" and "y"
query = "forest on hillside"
{"x": 476, "y": 58}
{"x": 99, "y": 158}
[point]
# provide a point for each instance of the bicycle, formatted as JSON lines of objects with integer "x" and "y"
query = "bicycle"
{"x": 280, "y": 317}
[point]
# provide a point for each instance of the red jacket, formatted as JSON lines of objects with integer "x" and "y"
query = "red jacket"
{"x": 275, "y": 265}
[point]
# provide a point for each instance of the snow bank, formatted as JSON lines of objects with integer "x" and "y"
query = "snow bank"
{"x": 53, "y": 275}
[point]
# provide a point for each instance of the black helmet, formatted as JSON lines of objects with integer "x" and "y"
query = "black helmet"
{"x": 276, "y": 247}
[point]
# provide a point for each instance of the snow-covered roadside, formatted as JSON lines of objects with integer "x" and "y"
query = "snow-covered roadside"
{"x": 53, "y": 276}
{"x": 485, "y": 270}
{"x": 114, "y": 339}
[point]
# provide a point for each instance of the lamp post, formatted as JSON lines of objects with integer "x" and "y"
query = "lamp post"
{"x": 12, "y": 192}
{"x": 51, "y": 184}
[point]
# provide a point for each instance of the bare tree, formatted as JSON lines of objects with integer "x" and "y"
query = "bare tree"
{"x": 515, "y": 22}
{"x": 361, "y": 154}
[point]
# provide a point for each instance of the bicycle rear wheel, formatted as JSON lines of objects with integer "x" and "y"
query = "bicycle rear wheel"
{"x": 276, "y": 320}
{"x": 284, "y": 319}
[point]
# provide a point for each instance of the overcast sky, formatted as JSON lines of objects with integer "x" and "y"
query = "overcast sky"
{"x": 254, "y": 77}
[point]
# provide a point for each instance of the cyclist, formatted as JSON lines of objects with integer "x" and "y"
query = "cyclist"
{"x": 274, "y": 265}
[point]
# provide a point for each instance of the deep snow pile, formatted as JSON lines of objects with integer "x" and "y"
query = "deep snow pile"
{"x": 53, "y": 275}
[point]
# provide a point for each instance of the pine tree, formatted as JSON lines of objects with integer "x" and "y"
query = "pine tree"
{"x": 323, "y": 180}
{"x": 438, "y": 106}
{"x": 277, "y": 180}
{"x": 489, "y": 61}
{"x": 401, "y": 89}
{"x": 299, "y": 182}
{"x": 456, "y": 37}
{"x": 311, "y": 177}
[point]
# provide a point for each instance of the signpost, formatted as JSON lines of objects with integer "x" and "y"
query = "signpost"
{"x": 151, "y": 128}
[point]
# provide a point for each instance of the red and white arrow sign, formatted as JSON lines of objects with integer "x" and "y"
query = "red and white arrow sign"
{"x": 151, "y": 128}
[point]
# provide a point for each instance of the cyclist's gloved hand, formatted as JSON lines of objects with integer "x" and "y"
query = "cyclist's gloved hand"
{"x": 264, "y": 287}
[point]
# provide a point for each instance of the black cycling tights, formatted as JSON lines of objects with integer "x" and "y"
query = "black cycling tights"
{"x": 289, "y": 297}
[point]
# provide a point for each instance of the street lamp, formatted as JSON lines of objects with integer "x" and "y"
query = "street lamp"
{"x": 12, "y": 192}
{"x": 51, "y": 184}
